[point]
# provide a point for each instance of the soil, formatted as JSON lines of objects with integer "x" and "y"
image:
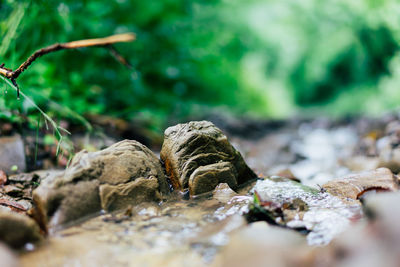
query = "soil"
{"x": 293, "y": 160}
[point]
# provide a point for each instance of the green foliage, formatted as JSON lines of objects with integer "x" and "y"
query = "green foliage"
{"x": 263, "y": 57}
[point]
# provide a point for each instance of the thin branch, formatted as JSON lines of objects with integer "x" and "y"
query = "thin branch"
{"x": 118, "y": 57}
{"x": 13, "y": 75}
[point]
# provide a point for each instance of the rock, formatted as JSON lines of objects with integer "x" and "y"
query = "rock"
{"x": 17, "y": 229}
{"x": 206, "y": 178}
{"x": 198, "y": 156}
{"x": 114, "y": 197}
{"x": 282, "y": 171}
{"x": 223, "y": 193}
{"x": 7, "y": 257}
{"x": 66, "y": 202}
{"x": 122, "y": 174}
{"x": 355, "y": 185}
{"x": 12, "y": 154}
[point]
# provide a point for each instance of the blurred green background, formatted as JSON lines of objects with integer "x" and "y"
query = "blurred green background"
{"x": 266, "y": 58}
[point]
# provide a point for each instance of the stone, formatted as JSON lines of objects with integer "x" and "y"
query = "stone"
{"x": 18, "y": 229}
{"x": 198, "y": 156}
{"x": 114, "y": 197}
{"x": 206, "y": 178}
{"x": 123, "y": 174}
{"x": 223, "y": 193}
{"x": 12, "y": 154}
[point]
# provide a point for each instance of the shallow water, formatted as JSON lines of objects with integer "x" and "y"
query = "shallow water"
{"x": 180, "y": 231}
{"x": 326, "y": 216}
{"x": 183, "y": 232}
{"x": 191, "y": 232}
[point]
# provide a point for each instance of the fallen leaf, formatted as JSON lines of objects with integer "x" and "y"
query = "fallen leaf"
{"x": 13, "y": 190}
{"x": 3, "y": 177}
{"x": 355, "y": 185}
{"x": 12, "y": 204}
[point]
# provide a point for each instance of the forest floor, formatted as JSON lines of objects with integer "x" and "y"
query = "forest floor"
{"x": 319, "y": 190}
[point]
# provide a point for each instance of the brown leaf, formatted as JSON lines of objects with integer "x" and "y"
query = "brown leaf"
{"x": 13, "y": 190}
{"x": 3, "y": 177}
{"x": 355, "y": 185}
{"x": 12, "y": 204}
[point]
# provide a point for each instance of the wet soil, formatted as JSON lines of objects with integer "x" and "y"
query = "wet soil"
{"x": 179, "y": 232}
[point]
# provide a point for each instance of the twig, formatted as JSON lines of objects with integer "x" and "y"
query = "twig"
{"x": 118, "y": 57}
{"x": 13, "y": 75}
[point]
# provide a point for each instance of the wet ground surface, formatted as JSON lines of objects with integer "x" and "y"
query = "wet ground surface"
{"x": 192, "y": 232}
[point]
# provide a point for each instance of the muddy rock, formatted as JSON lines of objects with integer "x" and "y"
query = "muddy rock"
{"x": 12, "y": 153}
{"x": 198, "y": 156}
{"x": 123, "y": 174}
{"x": 17, "y": 229}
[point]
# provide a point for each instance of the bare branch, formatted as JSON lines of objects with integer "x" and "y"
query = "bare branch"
{"x": 13, "y": 75}
{"x": 118, "y": 57}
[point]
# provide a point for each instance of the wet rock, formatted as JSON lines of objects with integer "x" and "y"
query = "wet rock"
{"x": 223, "y": 193}
{"x": 12, "y": 153}
{"x": 17, "y": 229}
{"x": 198, "y": 156}
{"x": 282, "y": 171}
{"x": 122, "y": 174}
{"x": 114, "y": 197}
{"x": 205, "y": 178}
{"x": 7, "y": 257}
{"x": 66, "y": 202}
{"x": 355, "y": 185}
